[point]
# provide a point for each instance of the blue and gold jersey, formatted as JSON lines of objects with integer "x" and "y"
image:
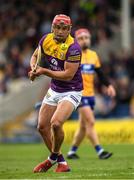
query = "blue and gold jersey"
{"x": 89, "y": 62}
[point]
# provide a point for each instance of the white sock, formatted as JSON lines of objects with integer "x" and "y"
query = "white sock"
{"x": 64, "y": 162}
{"x": 71, "y": 152}
{"x": 52, "y": 161}
{"x": 100, "y": 151}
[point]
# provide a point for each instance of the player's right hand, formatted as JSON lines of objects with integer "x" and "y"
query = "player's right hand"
{"x": 32, "y": 75}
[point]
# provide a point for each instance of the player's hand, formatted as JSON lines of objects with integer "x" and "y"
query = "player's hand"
{"x": 40, "y": 71}
{"x": 32, "y": 75}
{"x": 35, "y": 73}
{"x": 111, "y": 91}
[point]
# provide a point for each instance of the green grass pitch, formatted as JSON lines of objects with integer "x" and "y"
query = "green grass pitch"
{"x": 17, "y": 162}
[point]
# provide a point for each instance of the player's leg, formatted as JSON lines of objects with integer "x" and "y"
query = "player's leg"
{"x": 72, "y": 101}
{"x": 66, "y": 104}
{"x": 88, "y": 115}
{"x": 62, "y": 113}
{"x": 55, "y": 137}
{"x": 44, "y": 126}
{"x": 80, "y": 133}
{"x": 78, "y": 138}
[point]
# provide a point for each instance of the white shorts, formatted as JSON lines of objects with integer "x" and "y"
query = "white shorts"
{"x": 53, "y": 98}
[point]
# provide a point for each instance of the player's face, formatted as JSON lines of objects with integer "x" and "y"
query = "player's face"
{"x": 84, "y": 41}
{"x": 61, "y": 32}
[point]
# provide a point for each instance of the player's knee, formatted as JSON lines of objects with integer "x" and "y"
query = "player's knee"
{"x": 42, "y": 127}
{"x": 55, "y": 125}
{"x": 91, "y": 123}
{"x": 83, "y": 128}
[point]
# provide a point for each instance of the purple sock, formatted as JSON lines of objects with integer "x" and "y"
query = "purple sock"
{"x": 54, "y": 156}
{"x": 60, "y": 158}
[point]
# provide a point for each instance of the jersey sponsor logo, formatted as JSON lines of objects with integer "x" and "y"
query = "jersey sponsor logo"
{"x": 54, "y": 65}
{"x": 55, "y": 68}
{"x": 54, "y": 62}
{"x": 87, "y": 68}
{"x": 64, "y": 46}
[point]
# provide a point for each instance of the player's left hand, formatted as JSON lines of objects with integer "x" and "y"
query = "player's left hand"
{"x": 39, "y": 71}
{"x": 111, "y": 91}
{"x": 33, "y": 74}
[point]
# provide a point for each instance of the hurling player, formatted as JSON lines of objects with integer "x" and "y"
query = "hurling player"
{"x": 63, "y": 54}
{"x": 90, "y": 64}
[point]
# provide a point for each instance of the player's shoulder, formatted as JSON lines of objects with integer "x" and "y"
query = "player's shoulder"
{"x": 45, "y": 36}
{"x": 92, "y": 52}
{"x": 74, "y": 48}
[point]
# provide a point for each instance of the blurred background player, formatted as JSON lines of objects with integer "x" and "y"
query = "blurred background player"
{"x": 89, "y": 65}
{"x": 63, "y": 54}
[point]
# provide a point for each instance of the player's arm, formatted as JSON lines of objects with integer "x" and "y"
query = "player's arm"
{"x": 35, "y": 54}
{"x": 102, "y": 77}
{"x": 66, "y": 75}
{"x": 104, "y": 80}
{"x": 71, "y": 65}
{"x": 33, "y": 59}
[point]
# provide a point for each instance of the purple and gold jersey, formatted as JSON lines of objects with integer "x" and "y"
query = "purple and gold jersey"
{"x": 59, "y": 53}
